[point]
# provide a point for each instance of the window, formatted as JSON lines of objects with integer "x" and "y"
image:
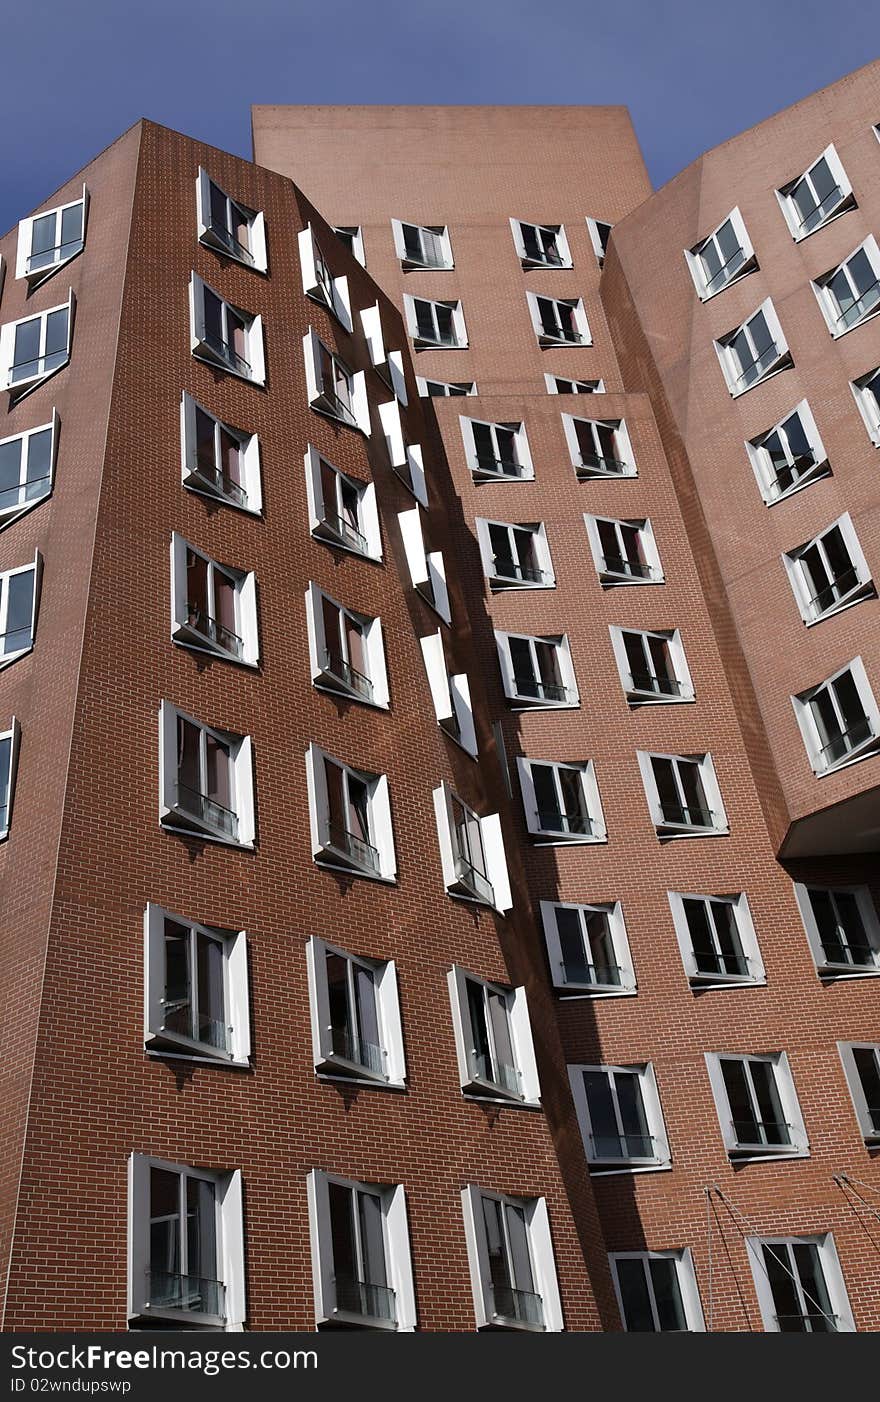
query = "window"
{"x": 471, "y": 852}
{"x": 839, "y": 719}
{"x": 599, "y": 447}
{"x": 47, "y": 241}
{"x": 19, "y": 601}
{"x": 754, "y": 351}
{"x": 624, "y": 552}
{"x": 829, "y": 572}
{"x": 850, "y": 293}
{"x": 228, "y": 226}
{"x": 444, "y": 389}
{"x": 225, "y": 335}
{"x": 34, "y": 348}
{"x": 426, "y": 569}
{"x": 206, "y": 785}
{"x": 556, "y": 385}
{"x": 319, "y": 283}
{"x": 10, "y": 741}
{"x": 866, "y": 390}
{"x": 561, "y": 801}
{"x": 722, "y": 258}
{"x": 861, "y": 1066}
{"x": 196, "y": 989}
{"x": 450, "y": 693}
{"x": 683, "y": 795}
{"x": 405, "y": 457}
{"x": 842, "y": 928}
{"x": 331, "y": 386}
{"x": 600, "y": 232}
{"x": 439, "y": 324}
{"x": 817, "y": 196}
{"x": 510, "y": 1251}
{"x": 422, "y": 246}
{"x": 540, "y": 245}
{"x": 493, "y": 1039}
{"x": 350, "y": 817}
{"x": 361, "y": 1261}
{"x": 800, "y": 1285}
{"x": 757, "y": 1106}
{"x": 537, "y": 671}
{"x": 652, "y": 666}
{"x": 356, "y": 1031}
{"x": 27, "y": 467}
{"x": 342, "y": 509}
{"x": 213, "y": 606}
{"x": 346, "y": 651}
{"x": 352, "y": 236}
{"x": 515, "y": 556}
{"x": 587, "y": 948}
{"x": 788, "y": 456}
{"x": 185, "y": 1245}
{"x": 619, "y": 1113}
{"x": 219, "y": 461}
{"x": 387, "y": 363}
{"x": 495, "y": 450}
{"x": 559, "y": 322}
{"x": 717, "y": 939}
{"x": 657, "y": 1292}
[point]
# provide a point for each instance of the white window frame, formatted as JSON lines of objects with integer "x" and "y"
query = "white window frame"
{"x": 367, "y": 511}
{"x": 324, "y": 851}
{"x": 541, "y": 1260}
{"x": 790, "y": 210}
{"x": 230, "y": 1244}
{"x": 740, "y": 1151}
{"x": 439, "y": 232}
{"x": 590, "y": 790}
{"x": 370, "y": 628}
{"x": 318, "y": 283}
{"x": 450, "y": 694}
{"x": 398, "y": 1259}
{"x": 613, "y": 910}
{"x": 186, "y": 632}
{"x": 637, "y": 696}
{"x": 810, "y": 733}
{"x": 730, "y": 367}
{"x": 333, "y": 1065}
{"x": 666, "y": 829}
{"x": 869, "y": 402}
{"x": 13, "y": 735}
{"x": 521, "y": 449}
{"x": 565, "y": 665}
{"x": 834, "y": 1281}
{"x": 661, "y": 1159}
{"x": 495, "y": 893}
{"x": 596, "y": 237}
{"x": 745, "y": 928}
{"x": 35, "y": 568}
{"x": 387, "y": 363}
{"x": 827, "y": 302}
{"x": 256, "y": 358}
{"x": 528, "y": 260}
{"x": 458, "y": 323}
{"x": 163, "y": 1042}
{"x": 694, "y": 258}
{"x": 256, "y": 256}
{"x": 468, "y": 387}
{"x": 325, "y": 401}
{"x": 191, "y": 473}
{"x": 862, "y": 588}
{"x": 352, "y": 237}
{"x": 519, "y": 1031}
{"x": 870, "y": 918}
{"x": 8, "y": 514}
{"x": 687, "y": 1285}
{"x": 17, "y": 389}
{"x": 577, "y": 386}
{"x": 405, "y": 458}
{"x": 611, "y": 579}
{"x": 622, "y": 444}
{"x": 544, "y": 562}
{"x": 173, "y": 815}
{"x": 869, "y": 1130}
{"x": 763, "y": 467}
{"x": 24, "y": 250}
{"x": 579, "y": 319}
{"x": 427, "y": 571}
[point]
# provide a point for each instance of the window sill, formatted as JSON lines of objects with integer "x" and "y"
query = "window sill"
{"x": 847, "y": 203}
{"x": 498, "y": 583}
{"x": 574, "y": 991}
{"x": 474, "y": 1091}
{"x": 412, "y": 265}
{"x": 774, "y": 1155}
{"x": 598, "y": 1170}
{"x": 566, "y": 840}
{"x": 22, "y": 388}
{"x": 784, "y": 363}
{"x": 193, "y": 483}
{"x": 668, "y": 833}
{"x": 711, "y": 983}
{"x": 7, "y": 659}
{"x": 814, "y": 474}
{"x": 326, "y": 1072}
{"x": 542, "y": 264}
{"x": 326, "y": 536}
{"x": 420, "y": 344}
{"x": 207, "y": 240}
{"x": 183, "y": 638}
{"x": 750, "y": 266}
{"x": 555, "y": 342}
{"x": 637, "y": 698}
{"x": 862, "y": 321}
{"x": 829, "y": 974}
{"x": 529, "y": 703}
{"x": 218, "y": 363}
{"x": 456, "y": 740}
{"x": 158, "y": 1052}
{"x": 336, "y": 418}
{"x": 333, "y": 687}
{"x": 864, "y": 591}
{"x": 614, "y": 581}
{"x": 42, "y": 275}
{"x": 330, "y": 860}
{"x": 169, "y": 820}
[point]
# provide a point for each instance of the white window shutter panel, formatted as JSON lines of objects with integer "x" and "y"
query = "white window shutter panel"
{"x": 306, "y": 249}
{"x": 154, "y": 967}
{"x": 239, "y": 1000}
{"x": 496, "y": 861}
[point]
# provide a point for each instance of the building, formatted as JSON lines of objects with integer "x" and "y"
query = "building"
{"x": 502, "y": 953}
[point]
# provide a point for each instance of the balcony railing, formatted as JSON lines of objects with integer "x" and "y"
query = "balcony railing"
{"x": 353, "y": 1048}
{"x": 759, "y": 366}
{"x": 211, "y": 628}
{"x": 835, "y": 592}
{"x": 534, "y": 689}
{"x": 811, "y": 1322}
{"x": 475, "y": 881}
{"x": 622, "y": 1148}
{"x": 581, "y": 971}
{"x": 860, "y": 306}
{"x": 217, "y": 480}
{"x": 230, "y": 242}
{"x": 40, "y": 365}
{"x": 518, "y": 1306}
{"x": 207, "y": 810}
{"x": 710, "y": 962}
{"x": 590, "y": 463}
{"x": 725, "y": 272}
{"x": 16, "y": 640}
{"x": 756, "y": 1135}
{"x": 194, "y": 1293}
{"x": 350, "y": 677}
{"x": 634, "y": 569}
{"x": 512, "y": 569}
{"x": 364, "y": 1298}
{"x": 563, "y": 333}
{"x": 437, "y": 336}
{"x": 686, "y": 815}
{"x": 498, "y": 467}
{"x": 20, "y": 495}
{"x": 48, "y": 257}
{"x": 227, "y": 352}
{"x": 336, "y": 405}
{"x": 496, "y": 1073}
{"x": 820, "y": 211}
{"x": 655, "y": 684}
{"x": 178, "y": 1018}
{"x": 789, "y": 475}
{"x": 847, "y": 741}
{"x": 360, "y": 852}
{"x": 552, "y": 820}
{"x": 346, "y": 532}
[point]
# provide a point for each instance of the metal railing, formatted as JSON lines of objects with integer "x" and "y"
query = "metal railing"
{"x": 476, "y": 881}
{"x": 343, "y": 671}
{"x": 860, "y": 307}
{"x": 563, "y": 333}
{"x": 636, "y": 569}
{"x": 847, "y": 741}
{"x": 227, "y": 352}
{"x": 195, "y": 1293}
{"x": 810, "y": 1322}
{"x": 40, "y": 365}
{"x": 738, "y": 257}
{"x": 605, "y": 975}
{"x": 832, "y": 200}
{"x": 228, "y": 239}
{"x": 48, "y": 255}
{"x": 362, "y": 853}
{"x": 537, "y": 690}
{"x": 224, "y": 486}
{"x": 207, "y": 810}
{"x": 16, "y": 640}
{"x": 599, "y": 462}
{"x": 365, "y": 1298}
{"x": 761, "y": 1134}
{"x": 498, "y": 467}
{"x": 178, "y": 1018}
{"x": 512, "y": 569}
{"x": 709, "y": 961}
{"x": 435, "y": 336}
{"x": 687, "y": 815}
{"x": 547, "y": 257}
{"x": 520, "y": 1306}
{"x": 338, "y": 406}
{"x": 655, "y": 684}
{"x": 554, "y": 821}
{"x": 20, "y": 495}
{"x": 834, "y": 592}
{"x": 622, "y": 1147}
{"x": 345, "y": 531}
{"x": 355, "y": 1049}
{"x": 506, "y": 1078}
{"x": 212, "y": 629}
{"x": 755, "y": 368}
{"x": 795, "y": 470}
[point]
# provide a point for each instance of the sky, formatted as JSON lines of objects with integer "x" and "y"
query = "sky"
{"x": 77, "y": 74}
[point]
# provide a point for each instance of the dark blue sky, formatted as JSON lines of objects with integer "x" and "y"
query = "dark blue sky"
{"x": 76, "y": 73}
